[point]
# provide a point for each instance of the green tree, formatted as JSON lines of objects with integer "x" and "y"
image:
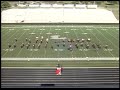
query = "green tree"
{"x": 5, "y": 4}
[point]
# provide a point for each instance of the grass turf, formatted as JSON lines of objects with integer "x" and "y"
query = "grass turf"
{"x": 105, "y": 34}
{"x": 50, "y": 63}
{"x": 99, "y": 33}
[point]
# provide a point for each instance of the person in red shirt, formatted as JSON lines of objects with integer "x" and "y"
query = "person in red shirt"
{"x": 59, "y": 70}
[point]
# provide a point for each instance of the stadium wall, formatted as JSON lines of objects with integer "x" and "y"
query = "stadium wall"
{"x": 60, "y": 24}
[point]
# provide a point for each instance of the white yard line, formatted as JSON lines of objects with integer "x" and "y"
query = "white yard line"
{"x": 82, "y": 47}
{"x": 108, "y": 39}
{"x": 9, "y": 38}
{"x": 40, "y": 33}
{"x": 4, "y": 53}
{"x": 55, "y": 67}
{"x": 102, "y": 43}
{"x": 29, "y": 37}
{"x": 109, "y": 52}
{"x": 67, "y": 36}
{"x": 110, "y": 34}
{"x": 44, "y": 48}
{"x": 25, "y": 26}
{"x": 58, "y": 34}
{"x": 77, "y": 38}
{"x": 20, "y": 49}
{"x": 5, "y": 33}
{"x": 49, "y": 40}
{"x": 90, "y": 58}
{"x": 12, "y": 34}
{"x": 90, "y": 42}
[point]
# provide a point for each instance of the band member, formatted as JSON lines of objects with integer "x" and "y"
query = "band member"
{"x": 36, "y": 40}
{"x": 59, "y": 70}
{"x": 81, "y": 44}
{"x": 63, "y": 44}
{"x": 63, "y": 40}
{"x": 78, "y": 40}
{"x": 76, "y": 45}
{"x": 83, "y": 40}
{"x": 42, "y": 37}
{"x": 34, "y": 46}
{"x": 93, "y": 45}
{"x": 87, "y": 46}
{"x": 14, "y": 45}
{"x": 27, "y": 46}
{"x": 47, "y": 40}
{"x": 26, "y": 39}
{"x": 29, "y": 41}
{"x": 88, "y": 39}
{"x": 9, "y": 45}
{"x": 41, "y": 41}
{"x": 106, "y": 46}
{"x": 58, "y": 44}
{"x": 16, "y": 39}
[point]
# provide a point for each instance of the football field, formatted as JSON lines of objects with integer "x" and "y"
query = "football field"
{"x": 58, "y": 36}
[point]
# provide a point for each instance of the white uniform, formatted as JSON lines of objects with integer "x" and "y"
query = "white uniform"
{"x": 41, "y": 37}
{"x": 47, "y": 40}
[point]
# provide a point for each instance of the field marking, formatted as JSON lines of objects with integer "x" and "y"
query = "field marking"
{"x": 20, "y": 49}
{"x": 12, "y": 35}
{"x": 3, "y": 36}
{"x": 85, "y": 33}
{"x": 77, "y": 38}
{"x": 49, "y": 33}
{"x": 68, "y": 36}
{"x": 29, "y": 37}
{"x": 102, "y": 43}
{"x": 57, "y": 29}
{"x": 55, "y": 67}
{"x": 110, "y": 41}
{"x": 41, "y": 32}
{"x": 82, "y": 47}
{"x": 55, "y": 26}
{"x": 90, "y": 42}
{"x": 107, "y": 39}
{"x": 90, "y": 58}
{"x": 58, "y": 34}
{"x": 32, "y": 33}
{"x": 9, "y": 38}
{"x": 5, "y": 32}
{"x": 26, "y": 29}
{"x": 28, "y": 26}
{"x": 111, "y": 35}
{"x": 66, "y": 32}
{"x": 98, "y": 40}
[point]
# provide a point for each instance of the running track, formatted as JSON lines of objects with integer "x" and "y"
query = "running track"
{"x": 71, "y": 77}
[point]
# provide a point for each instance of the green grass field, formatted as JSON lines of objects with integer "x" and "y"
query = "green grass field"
{"x": 105, "y": 34}
{"x": 65, "y": 63}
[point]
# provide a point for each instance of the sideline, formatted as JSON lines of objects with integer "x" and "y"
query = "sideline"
{"x": 87, "y": 58}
